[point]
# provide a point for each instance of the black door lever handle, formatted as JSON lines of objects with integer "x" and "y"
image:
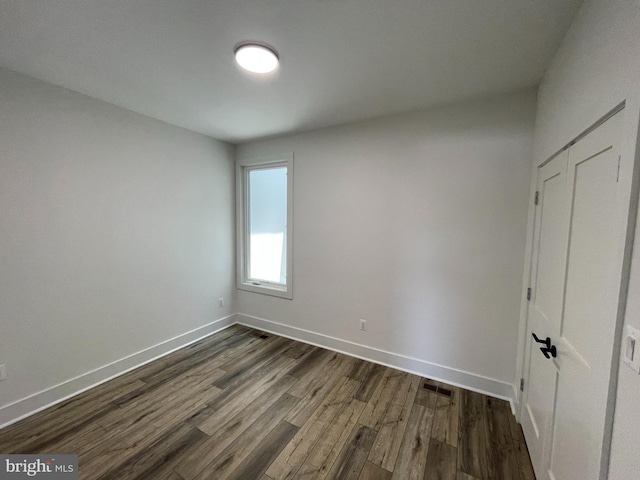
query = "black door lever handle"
{"x": 548, "y": 348}
{"x": 547, "y": 351}
{"x": 546, "y": 341}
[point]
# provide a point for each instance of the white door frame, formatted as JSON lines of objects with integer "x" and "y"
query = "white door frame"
{"x": 631, "y": 152}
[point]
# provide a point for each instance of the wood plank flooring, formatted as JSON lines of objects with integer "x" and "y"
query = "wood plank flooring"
{"x": 246, "y": 405}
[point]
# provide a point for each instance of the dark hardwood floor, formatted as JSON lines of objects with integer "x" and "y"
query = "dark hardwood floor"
{"x": 246, "y": 405}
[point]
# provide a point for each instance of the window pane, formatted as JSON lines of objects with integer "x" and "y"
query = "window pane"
{"x": 267, "y": 224}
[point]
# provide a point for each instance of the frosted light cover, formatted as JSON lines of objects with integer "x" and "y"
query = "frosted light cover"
{"x": 256, "y": 58}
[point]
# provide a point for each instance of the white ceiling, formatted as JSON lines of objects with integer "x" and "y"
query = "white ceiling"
{"x": 341, "y": 60}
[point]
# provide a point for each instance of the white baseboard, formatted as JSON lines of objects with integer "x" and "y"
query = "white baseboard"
{"x": 32, "y": 404}
{"x": 27, "y": 406}
{"x": 452, "y": 376}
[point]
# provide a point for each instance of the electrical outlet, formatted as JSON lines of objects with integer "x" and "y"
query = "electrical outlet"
{"x": 3, "y": 372}
{"x": 221, "y": 302}
{"x": 363, "y": 325}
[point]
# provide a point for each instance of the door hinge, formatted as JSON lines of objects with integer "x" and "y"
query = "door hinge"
{"x": 536, "y": 198}
{"x": 522, "y": 384}
{"x": 528, "y": 294}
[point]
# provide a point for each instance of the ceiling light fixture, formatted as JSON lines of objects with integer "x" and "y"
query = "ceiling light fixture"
{"x": 256, "y": 57}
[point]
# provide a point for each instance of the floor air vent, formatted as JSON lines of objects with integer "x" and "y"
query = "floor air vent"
{"x": 434, "y": 388}
{"x": 444, "y": 391}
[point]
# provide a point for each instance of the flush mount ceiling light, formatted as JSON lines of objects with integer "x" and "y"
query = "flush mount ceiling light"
{"x": 256, "y": 57}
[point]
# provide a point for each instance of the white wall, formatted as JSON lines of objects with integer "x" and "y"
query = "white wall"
{"x": 116, "y": 234}
{"x": 415, "y": 223}
{"x": 597, "y": 67}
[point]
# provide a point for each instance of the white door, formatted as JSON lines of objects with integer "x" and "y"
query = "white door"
{"x": 576, "y": 275}
{"x": 546, "y": 299}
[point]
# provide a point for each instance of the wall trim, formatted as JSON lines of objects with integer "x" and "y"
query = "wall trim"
{"x": 36, "y": 402}
{"x": 49, "y": 397}
{"x": 452, "y": 376}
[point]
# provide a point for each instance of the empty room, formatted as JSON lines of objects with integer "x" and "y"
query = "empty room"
{"x": 319, "y": 239}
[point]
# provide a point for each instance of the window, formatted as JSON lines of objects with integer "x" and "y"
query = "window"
{"x": 264, "y": 213}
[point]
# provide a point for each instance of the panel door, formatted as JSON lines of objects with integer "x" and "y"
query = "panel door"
{"x": 545, "y": 307}
{"x": 576, "y": 280}
{"x": 587, "y": 332}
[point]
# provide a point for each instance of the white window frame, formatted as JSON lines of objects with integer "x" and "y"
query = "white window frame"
{"x": 243, "y": 166}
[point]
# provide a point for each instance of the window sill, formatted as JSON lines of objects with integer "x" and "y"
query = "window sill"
{"x": 266, "y": 289}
